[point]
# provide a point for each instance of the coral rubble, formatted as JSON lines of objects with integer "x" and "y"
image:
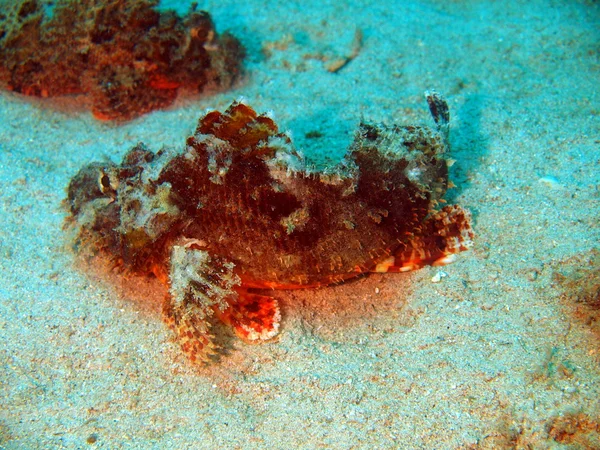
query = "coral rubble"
{"x": 238, "y": 210}
{"x": 129, "y": 57}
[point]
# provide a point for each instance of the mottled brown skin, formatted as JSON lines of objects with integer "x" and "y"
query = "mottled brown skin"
{"x": 129, "y": 57}
{"x": 237, "y": 209}
{"x": 345, "y": 224}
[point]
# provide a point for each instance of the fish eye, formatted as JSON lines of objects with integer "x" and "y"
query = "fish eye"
{"x": 105, "y": 183}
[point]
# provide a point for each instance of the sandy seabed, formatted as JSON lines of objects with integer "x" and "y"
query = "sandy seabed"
{"x": 500, "y": 353}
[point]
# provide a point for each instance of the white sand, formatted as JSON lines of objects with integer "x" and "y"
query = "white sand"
{"x": 488, "y": 357}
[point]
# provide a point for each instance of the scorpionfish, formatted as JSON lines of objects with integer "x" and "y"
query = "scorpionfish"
{"x": 238, "y": 213}
{"x": 128, "y": 56}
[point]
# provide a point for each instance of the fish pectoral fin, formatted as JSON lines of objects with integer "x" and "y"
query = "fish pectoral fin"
{"x": 443, "y": 235}
{"x": 199, "y": 285}
{"x": 192, "y": 330}
{"x": 254, "y": 317}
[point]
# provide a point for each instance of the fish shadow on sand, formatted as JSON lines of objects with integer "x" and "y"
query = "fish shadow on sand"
{"x": 468, "y": 146}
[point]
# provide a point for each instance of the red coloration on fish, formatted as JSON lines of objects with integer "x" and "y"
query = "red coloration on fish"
{"x": 129, "y": 57}
{"x": 237, "y": 210}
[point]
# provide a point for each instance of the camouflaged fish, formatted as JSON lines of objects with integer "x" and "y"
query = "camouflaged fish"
{"x": 237, "y": 212}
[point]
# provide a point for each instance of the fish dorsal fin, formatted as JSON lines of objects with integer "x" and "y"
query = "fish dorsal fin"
{"x": 239, "y": 125}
